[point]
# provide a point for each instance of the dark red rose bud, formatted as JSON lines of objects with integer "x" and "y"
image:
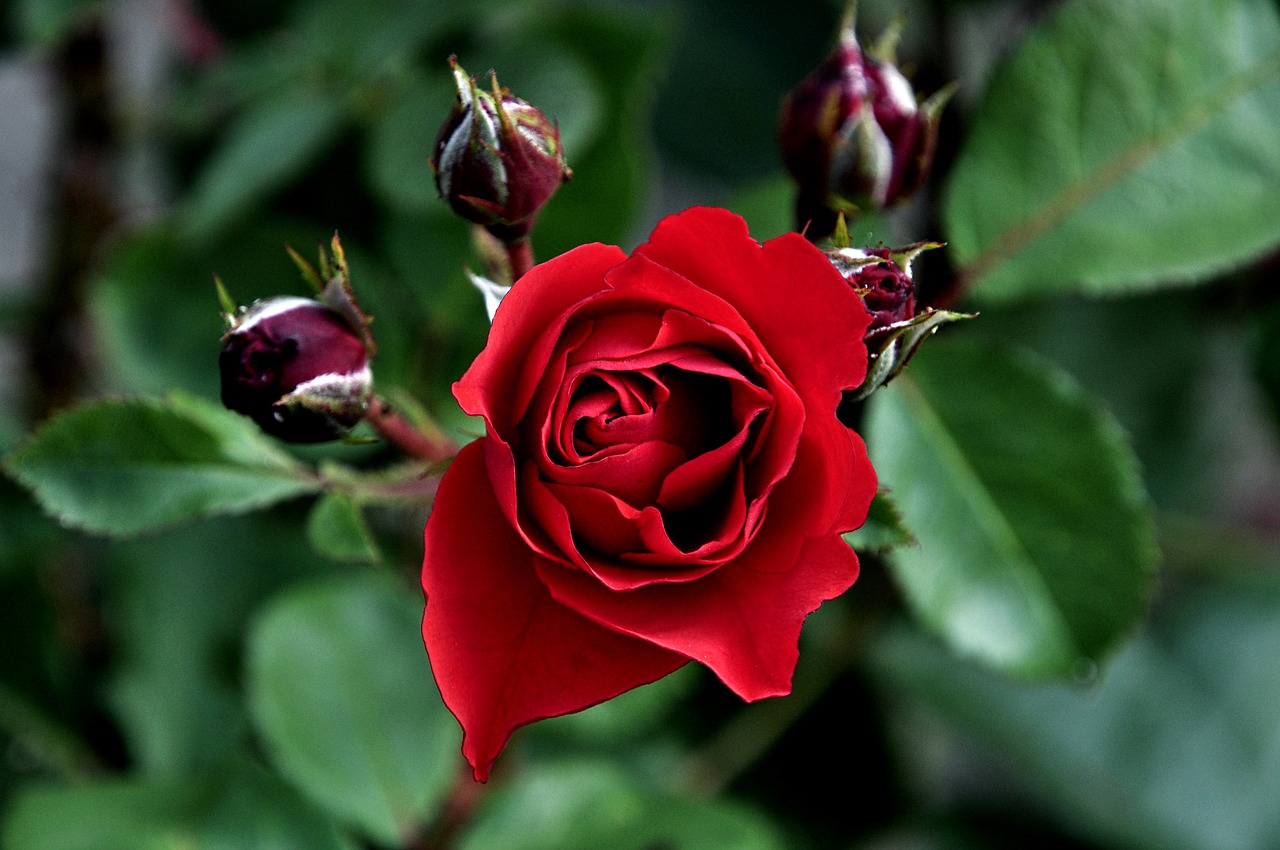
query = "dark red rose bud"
{"x": 885, "y": 287}
{"x": 882, "y": 278}
{"x": 853, "y": 135}
{"x": 497, "y": 159}
{"x": 298, "y": 368}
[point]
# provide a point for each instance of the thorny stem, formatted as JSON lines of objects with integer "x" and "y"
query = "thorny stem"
{"x": 399, "y": 432}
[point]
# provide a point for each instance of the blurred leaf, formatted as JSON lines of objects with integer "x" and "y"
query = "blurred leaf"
{"x": 1123, "y": 146}
{"x": 366, "y": 39}
{"x": 44, "y": 22}
{"x": 32, "y": 734}
{"x": 1036, "y": 545}
{"x": 440, "y": 323}
{"x": 636, "y": 713}
{"x": 109, "y": 815}
{"x": 252, "y": 809}
{"x": 1177, "y": 748}
{"x": 730, "y": 67}
{"x": 337, "y": 529}
{"x": 25, "y": 532}
{"x": 245, "y": 809}
{"x": 1153, "y": 381}
{"x": 884, "y": 529}
{"x": 340, "y": 689}
{"x": 179, "y": 602}
{"x": 587, "y": 805}
{"x": 400, "y": 141}
{"x": 265, "y": 147}
{"x": 767, "y": 206}
{"x": 155, "y": 331}
{"x": 121, "y": 467}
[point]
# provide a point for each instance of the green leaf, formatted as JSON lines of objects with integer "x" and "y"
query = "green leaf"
{"x": 337, "y": 529}
{"x": 243, "y": 808}
{"x": 1127, "y": 144}
{"x": 588, "y": 805}
{"x": 263, "y": 148}
{"x": 1150, "y": 358}
{"x": 1036, "y": 543}
{"x": 366, "y": 41}
{"x": 1175, "y": 748}
{"x": 399, "y": 143}
{"x": 631, "y": 716}
{"x": 123, "y": 466}
{"x": 46, "y": 22}
{"x": 179, "y": 602}
{"x": 113, "y": 815}
{"x": 884, "y": 529}
{"x": 341, "y": 691}
{"x": 251, "y": 809}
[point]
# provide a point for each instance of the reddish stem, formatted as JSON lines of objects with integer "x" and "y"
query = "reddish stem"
{"x": 520, "y": 256}
{"x": 398, "y": 431}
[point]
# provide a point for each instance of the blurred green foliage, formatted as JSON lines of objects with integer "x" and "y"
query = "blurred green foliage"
{"x": 255, "y": 680}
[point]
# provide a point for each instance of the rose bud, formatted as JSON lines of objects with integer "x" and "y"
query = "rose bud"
{"x": 882, "y": 279}
{"x": 298, "y": 368}
{"x": 853, "y": 135}
{"x": 497, "y": 159}
{"x": 884, "y": 286}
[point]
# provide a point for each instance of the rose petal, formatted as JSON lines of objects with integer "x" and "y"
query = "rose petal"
{"x": 779, "y": 288}
{"x": 525, "y": 330}
{"x": 503, "y": 652}
{"x": 742, "y": 621}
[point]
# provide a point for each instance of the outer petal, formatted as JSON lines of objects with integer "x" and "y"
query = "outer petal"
{"x": 742, "y": 621}
{"x": 504, "y": 653}
{"x": 525, "y": 329}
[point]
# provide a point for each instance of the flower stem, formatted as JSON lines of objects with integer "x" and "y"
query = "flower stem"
{"x": 520, "y": 257}
{"x": 455, "y": 815}
{"x": 431, "y": 445}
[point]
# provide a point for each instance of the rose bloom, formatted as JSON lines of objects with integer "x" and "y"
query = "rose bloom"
{"x": 663, "y": 477}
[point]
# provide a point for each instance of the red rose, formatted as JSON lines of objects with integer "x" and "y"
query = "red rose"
{"x": 663, "y": 478}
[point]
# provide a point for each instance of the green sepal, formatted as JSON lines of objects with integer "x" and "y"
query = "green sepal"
{"x": 890, "y": 348}
{"x": 309, "y": 273}
{"x": 340, "y": 297}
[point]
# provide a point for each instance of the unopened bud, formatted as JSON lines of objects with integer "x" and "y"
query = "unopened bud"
{"x": 882, "y": 279}
{"x": 884, "y": 286}
{"x": 297, "y": 368}
{"x": 853, "y": 135}
{"x": 497, "y": 159}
